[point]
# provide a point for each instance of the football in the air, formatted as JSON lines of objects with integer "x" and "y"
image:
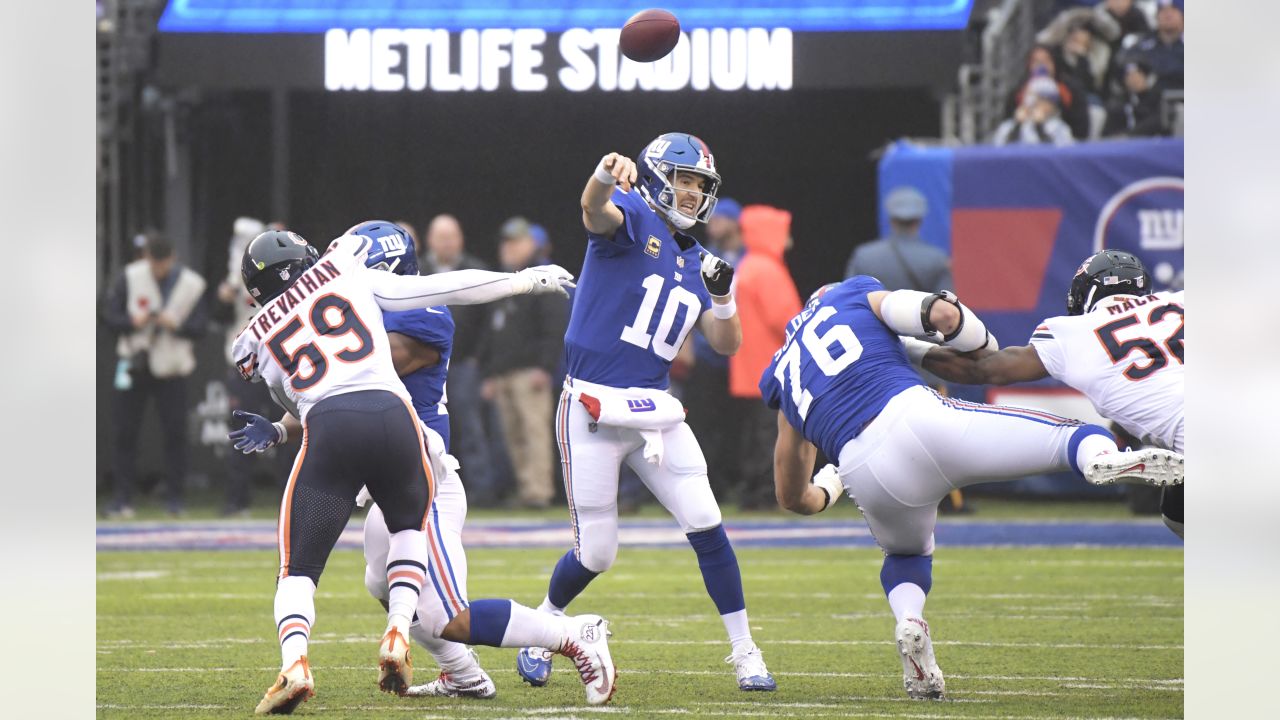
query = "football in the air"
{"x": 649, "y": 35}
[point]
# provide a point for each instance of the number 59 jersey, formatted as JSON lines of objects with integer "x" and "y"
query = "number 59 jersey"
{"x": 639, "y": 294}
{"x": 323, "y": 336}
{"x": 1126, "y": 356}
{"x": 838, "y": 368}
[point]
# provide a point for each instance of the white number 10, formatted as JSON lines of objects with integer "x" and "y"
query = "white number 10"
{"x": 636, "y": 333}
{"x": 819, "y": 347}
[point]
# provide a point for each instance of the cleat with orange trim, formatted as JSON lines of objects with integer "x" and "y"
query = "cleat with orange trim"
{"x": 1149, "y": 466}
{"x": 292, "y": 688}
{"x": 588, "y": 648}
{"x": 921, "y": 675}
{"x": 395, "y": 668}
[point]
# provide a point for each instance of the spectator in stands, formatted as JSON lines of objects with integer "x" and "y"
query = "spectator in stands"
{"x": 903, "y": 261}
{"x": 1162, "y": 50}
{"x": 541, "y": 244}
{"x": 767, "y": 299}
{"x": 1121, "y": 22}
{"x": 519, "y": 352}
{"x": 238, "y": 308}
{"x": 445, "y": 250}
{"x": 713, "y": 415}
{"x": 1137, "y": 112}
{"x": 1037, "y": 119}
{"x": 1073, "y": 106}
{"x": 157, "y": 307}
{"x": 1079, "y": 53}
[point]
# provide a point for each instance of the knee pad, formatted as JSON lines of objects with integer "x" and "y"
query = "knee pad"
{"x": 703, "y": 517}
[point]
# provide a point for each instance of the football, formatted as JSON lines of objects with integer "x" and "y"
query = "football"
{"x": 649, "y": 35}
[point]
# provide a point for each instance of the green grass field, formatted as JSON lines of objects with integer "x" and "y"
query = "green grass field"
{"x": 1019, "y": 633}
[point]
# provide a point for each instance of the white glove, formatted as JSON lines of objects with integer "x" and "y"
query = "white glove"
{"x": 828, "y": 478}
{"x": 543, "y": 279}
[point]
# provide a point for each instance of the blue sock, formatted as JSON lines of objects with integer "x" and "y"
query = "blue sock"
{"x": 915, "y": 569}
{"x": 719, "y": 568}
{"x": 489, "y": 619}
{"x": 1073, "y": 445}
{"x": 568, "y": 580}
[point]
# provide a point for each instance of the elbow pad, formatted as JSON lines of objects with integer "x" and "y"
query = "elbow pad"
{"x": 906, "y": 312}
{"x": 972, "y": 333}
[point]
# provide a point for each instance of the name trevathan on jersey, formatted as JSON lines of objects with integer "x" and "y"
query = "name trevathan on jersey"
{"x": 315, "y": 278}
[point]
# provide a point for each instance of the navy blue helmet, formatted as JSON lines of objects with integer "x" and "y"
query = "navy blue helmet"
{"x": 273, "y": 261}
{"x": 1110, "y": 272}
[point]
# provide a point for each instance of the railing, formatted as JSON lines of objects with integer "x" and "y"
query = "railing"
{"x": 978, "y": 106}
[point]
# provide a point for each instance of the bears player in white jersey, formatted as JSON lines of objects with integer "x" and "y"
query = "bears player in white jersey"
{"x": 1119, "y": 344}
{"x": 320, "y": 345}
{"x": 842, "y": 382}
{"x": 644, "y": 283}
{"x": 421, "y": 343}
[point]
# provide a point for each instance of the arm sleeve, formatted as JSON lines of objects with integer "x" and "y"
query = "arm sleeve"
{"x": 460, "y": 287}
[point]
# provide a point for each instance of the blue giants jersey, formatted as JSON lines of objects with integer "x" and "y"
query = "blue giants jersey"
{"x": 639, "y": 295}
{"x": 838, "y": 368}
{"x": 432, "y": 327}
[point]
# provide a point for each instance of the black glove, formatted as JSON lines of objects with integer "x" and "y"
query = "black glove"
{"x": 717, "y": 275}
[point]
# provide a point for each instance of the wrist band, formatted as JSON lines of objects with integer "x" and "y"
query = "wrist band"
{"x": 602, "y": 176}
{"x": 284, "y": 434}
{"x": 725, "y": 311}
{"x": 826, "y": 492}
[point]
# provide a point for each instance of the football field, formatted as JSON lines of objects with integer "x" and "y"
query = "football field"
{"x": 1020, "y": 632}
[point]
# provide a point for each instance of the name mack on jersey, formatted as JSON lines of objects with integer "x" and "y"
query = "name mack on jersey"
{"x": 1120, "y": 307}
{"x": 313, "y": 279}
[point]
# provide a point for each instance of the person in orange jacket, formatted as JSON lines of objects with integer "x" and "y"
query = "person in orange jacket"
{"x": 767, "y": 299}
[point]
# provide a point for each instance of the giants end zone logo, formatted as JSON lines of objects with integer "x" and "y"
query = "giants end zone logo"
{"x": 1145, "y": 218}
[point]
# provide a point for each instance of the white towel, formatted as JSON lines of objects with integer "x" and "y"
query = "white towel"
{"x": 646, "y": 410}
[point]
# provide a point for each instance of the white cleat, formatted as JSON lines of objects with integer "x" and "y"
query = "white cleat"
{"x": 1149, "y": 466}
{"x": 752, "y": 673}
{"x": 292, "y": 688}
{"x": 395, "y": 667}
{"x": 921, "y": 675}
{"x": 480, "y": 687}
{"x": 588, "y": 647}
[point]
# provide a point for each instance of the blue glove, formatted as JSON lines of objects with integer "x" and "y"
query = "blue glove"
{"x": 258, "y": 433}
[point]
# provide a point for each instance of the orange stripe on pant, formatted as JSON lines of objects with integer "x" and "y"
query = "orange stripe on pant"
{"x": 426, "y": 464}
{"x": 287, "y": 628}
{"x": 283, "y": 524}
{"x": 442, "y": 573}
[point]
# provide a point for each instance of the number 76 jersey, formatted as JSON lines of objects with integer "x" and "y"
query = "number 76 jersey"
{"x": 323, "y": 336}
{"x": 1126, "y": 356}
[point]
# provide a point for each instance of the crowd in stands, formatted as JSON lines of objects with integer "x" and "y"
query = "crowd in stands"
{"x": 1100, "y": 70}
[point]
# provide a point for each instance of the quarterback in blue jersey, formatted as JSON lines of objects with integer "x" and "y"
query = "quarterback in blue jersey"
{"x": 644, "y": 284}
{"x": 421, "y": 341}
{"x": 843, "y": 382}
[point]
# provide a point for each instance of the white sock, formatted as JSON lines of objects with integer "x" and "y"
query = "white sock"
{"x": 535, "y": 628}
{"x": 1093, "y": 446}
{"x": 735, "y": 623}
{"x": 907, "y": 600}
{"x": 547, "y": 607}
{"x": 295, "y": 611}
{"x": 406, "y": 573}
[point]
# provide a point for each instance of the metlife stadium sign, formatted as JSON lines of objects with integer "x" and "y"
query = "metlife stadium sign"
{"x": 531, "y": 46}
{"x": 393, "y": 60}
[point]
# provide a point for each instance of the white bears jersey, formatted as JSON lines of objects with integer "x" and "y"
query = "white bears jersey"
{"x": 323, "y": 336}
{"x": 1126, "y": 356}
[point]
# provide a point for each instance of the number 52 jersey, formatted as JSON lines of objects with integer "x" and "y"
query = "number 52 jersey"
{"x": 323, "y": 336}
{"x": 1126, "y": 356}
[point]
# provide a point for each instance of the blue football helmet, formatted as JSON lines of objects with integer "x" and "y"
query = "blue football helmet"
{"x": 658, "y": 164}
{"x": 393, "y": 247}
